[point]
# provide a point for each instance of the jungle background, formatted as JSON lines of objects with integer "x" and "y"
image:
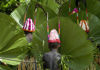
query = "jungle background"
{"x": 80, "y": 51}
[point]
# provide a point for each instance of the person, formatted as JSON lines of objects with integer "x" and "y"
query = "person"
{"x": 52, "y": 59}
{"x": 28, "y": 28}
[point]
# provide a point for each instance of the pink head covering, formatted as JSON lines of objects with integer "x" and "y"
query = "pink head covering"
{"x": 75, "y": 11}
{"x": 54, "y": 37}
{"x": 84, "y": 25}
{"x": 29, "y": 26}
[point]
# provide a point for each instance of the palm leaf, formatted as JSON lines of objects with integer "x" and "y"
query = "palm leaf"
{"x": 13, "y": 44}
{"x": 74, "y": 43}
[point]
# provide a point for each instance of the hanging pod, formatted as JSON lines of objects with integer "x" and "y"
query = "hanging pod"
{"x": 77, "y": 3}
{"x": 53, "y": 36}
{"x": 29, "y": 26}
{"x": 84, "y": 25}
{"x": 75, "y": 11}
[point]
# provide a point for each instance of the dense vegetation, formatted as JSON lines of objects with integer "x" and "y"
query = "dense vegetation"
{"x": 77, "y": 51}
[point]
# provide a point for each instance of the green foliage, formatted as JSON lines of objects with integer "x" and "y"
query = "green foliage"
{"x": 18, "y": 14}
{"x": 2, "y": 67}
{"x": 8, "y": 6}
{"x": 13, "y": 44}
{"x": 94, "y": 23}
{"x": 60, "y": 2}
{"x": 97, "y": 66}
{"x": 52, "y": 4}
{"x": 94, "y": 19}
{"x": 74, "y": 43}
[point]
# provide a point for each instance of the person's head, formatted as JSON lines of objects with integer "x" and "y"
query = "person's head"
{"x": 26, "y": 32}
{"x": 53, "y": 45}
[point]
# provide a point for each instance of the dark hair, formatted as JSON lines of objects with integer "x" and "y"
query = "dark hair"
{"x": 53, "y": 45}
{"x": 26, "y": 32}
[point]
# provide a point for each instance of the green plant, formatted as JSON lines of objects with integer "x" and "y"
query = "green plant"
{"x": 73, "y": 38}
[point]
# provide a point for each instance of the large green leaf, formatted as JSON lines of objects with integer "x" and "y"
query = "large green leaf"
{"x": 41, "y": 14}
{"x": 39, "y": 43}
{"x": 51, "y": 4}
{"x": 94, "y": 24}
{"x": 13, "y": 44}
{"x": 74, "y": 43}
{"x": 17, "y": 48}
{"x": 18, "y": 14}
{"x": 7, "y": 29}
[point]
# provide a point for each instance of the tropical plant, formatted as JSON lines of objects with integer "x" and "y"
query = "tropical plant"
{"x": 7, "y": 6}
{"x": 75, "y": 46}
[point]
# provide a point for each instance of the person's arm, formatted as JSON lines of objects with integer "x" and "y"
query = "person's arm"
{"x": 59, "y": 62}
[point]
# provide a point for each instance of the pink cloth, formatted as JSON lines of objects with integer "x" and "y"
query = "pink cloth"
{"x": 54, "y": 37}
{"x": 29, "y": 26}
{"x": 84, "y": 25}
{"x": 75, "y": 11}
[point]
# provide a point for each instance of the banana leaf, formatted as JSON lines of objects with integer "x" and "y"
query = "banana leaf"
{"x": 76, "y": 45}
{"x": 18, "y": 14}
